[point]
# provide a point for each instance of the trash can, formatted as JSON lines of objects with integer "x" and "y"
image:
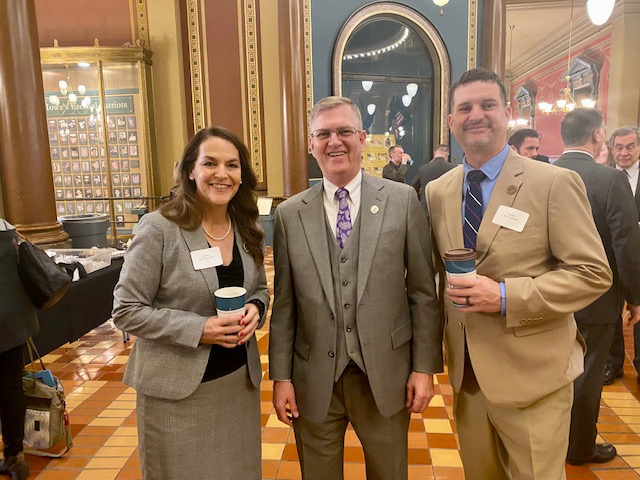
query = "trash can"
{"x": 86, "y": 230}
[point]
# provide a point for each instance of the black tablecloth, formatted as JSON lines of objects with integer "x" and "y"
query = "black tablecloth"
{"x": 86, "y": 305}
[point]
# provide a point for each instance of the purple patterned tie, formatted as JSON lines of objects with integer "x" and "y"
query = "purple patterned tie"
{"x": 343, "y": 227}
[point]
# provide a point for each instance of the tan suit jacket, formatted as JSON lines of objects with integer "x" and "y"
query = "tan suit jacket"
{"x": 554, "y": 267}
{"x": 397, "y": 313}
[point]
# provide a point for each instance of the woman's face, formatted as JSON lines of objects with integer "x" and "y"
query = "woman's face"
{"x": 217, "y": 172}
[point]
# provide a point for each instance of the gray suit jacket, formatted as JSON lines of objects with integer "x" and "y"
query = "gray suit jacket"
{"x": 161, "y": 299}
{"x": 397, "y": 313}
{"x": 614, "y": 213}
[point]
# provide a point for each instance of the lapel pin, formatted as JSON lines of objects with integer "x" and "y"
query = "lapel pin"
{"x": 374, "y": 209}
{"x": 511, "y": 189}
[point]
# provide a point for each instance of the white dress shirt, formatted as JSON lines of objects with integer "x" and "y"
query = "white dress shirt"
{"x": 331, "y": 207}
{"x": 632, "y": 175}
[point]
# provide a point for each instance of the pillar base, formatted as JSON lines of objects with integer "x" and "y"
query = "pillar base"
{"x": 51, "y": 233}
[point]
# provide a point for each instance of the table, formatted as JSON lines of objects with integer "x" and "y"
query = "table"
{"x": 86, "y": 305}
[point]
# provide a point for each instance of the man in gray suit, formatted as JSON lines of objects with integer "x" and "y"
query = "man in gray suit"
{"x": 355, "y": 333}
{"x": 615, "y": 216}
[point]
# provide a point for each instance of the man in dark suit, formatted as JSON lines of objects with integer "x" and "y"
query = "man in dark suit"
{"x": 355, "y": 332}
{"x": 526, "y": 142}
{"x": 625, "y": 146}
{"x": 583, "y": 134}
{"x": 397, "y": 167}
{"x": 432, "y": 170}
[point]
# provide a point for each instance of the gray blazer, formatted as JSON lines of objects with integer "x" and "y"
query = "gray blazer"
{"x": 399, "y": 326}
{"x": 162, "y": 300}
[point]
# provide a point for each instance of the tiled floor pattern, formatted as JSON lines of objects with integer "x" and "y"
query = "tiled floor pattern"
{"x": 102, "y": 413}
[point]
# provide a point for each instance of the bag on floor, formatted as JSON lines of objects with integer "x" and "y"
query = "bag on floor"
{"x": 46, "y": 422}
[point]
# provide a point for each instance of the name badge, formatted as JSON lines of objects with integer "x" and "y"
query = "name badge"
{"x": 206, "y": 258}
{"x": 511, "y": 218}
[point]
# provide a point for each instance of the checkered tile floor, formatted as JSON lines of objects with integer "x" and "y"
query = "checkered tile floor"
{"x": 102, "y": 412}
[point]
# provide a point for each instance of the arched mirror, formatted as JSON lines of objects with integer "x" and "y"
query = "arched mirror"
{"x": 393, "y": 64}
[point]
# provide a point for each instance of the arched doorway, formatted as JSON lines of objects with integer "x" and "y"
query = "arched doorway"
{"x": 392, "y": 62}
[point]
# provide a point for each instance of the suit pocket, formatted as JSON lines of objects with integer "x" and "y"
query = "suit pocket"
{"x": 401, "y": 335}
{"x": 302, "y": 348}
{"x": 543, "y": 326}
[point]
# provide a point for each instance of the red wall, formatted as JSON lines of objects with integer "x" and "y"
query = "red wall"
{"x": 550, "y": 81}
{"x": 77, "y": 23}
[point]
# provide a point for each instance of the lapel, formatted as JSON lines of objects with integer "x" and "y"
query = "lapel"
{"x": 196, "y": 240}
{"x": 503, "y": 193}
{"x": 312, "y": 216}
{"x": 372, "y": 195}
{"x": 452, "y": 208}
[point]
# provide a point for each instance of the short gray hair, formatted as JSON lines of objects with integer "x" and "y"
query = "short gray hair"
{"x": 329, "y": 103}
{"x": 623, "y": 131}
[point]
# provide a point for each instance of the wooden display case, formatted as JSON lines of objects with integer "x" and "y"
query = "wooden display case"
{"x": 101, "y": 133}
{"x": 376, "y": 153}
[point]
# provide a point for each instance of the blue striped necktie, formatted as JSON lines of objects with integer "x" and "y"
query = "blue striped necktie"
{"x": 473, "y": 208}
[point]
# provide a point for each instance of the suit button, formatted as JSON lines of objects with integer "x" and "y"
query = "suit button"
{"x": 343, "y": 259}
{"x": 460, "y": 324}
{"x": 523, "y": 321}
{"x": 345, "y": 283}
{"x": 349, "y": 329}
{"x": 331, "y": 354}
{"x": 346, "y": 305}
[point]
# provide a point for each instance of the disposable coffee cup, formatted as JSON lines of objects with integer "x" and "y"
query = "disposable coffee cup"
{"x": 229, "y": 300}
{"x": 460, "y": 262}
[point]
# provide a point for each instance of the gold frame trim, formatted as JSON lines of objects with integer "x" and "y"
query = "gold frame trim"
{"x": 308, "y": 58}
{"x": 205, "y": 61}
{"x": 472, "y": 38}
{"x": 141, "y": 20}
{"x": 195, "y": 65}
{"x": 444, "y": 63}
{"x": 252, "y": 80}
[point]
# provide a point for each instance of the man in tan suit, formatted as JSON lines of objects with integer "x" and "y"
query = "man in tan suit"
{"x": 513, "y": 351}
{"x": 355, "y": 332}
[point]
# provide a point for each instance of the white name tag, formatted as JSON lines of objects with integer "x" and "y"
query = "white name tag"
{"x": 206, "y": 258}
{"x": 511, "y": 218}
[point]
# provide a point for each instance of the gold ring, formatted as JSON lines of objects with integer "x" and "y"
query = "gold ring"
{"x": 468, "y": 302}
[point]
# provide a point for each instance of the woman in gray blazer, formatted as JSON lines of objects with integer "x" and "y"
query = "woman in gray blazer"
{"x": 197, "y": 375}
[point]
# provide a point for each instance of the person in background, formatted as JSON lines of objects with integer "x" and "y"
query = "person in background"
{"x": 605, "y": 157}
{"x": 526, "y": 141}
{"x": 18, "y": 322}
{"x": 625, "y": 148}
{"x": 197, "y": 375}
{"x": 397, "y": 166}
{"x": 513, "y": 349}
{"x": 583, "y": 133}
{"x": 438, "y": 166}
{"x": 355, "y": 334}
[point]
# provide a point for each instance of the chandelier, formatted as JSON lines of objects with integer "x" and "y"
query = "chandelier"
{"x": 566, "y": 103}
{"x": 67, "y": 101}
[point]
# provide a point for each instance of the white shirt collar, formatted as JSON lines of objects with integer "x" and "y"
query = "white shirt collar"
{"x": 353, "y": 187}
{"x": 632, "y": 170}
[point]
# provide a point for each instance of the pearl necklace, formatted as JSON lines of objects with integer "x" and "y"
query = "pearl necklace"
{"x": 218, "y": 239}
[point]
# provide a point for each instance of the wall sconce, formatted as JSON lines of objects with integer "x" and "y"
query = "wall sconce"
{"x": 371, "y": 108}
{"x": 412, "y": 89}
{"x": 599, "y": 11}
{"x": 366, "y": 85}
{"x": 406, "y": 100}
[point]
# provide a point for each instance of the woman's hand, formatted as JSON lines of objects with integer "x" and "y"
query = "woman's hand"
{"x": 249, "y": 322}
{"x": 223, "y": 330}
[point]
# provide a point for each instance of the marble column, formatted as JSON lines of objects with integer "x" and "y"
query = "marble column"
{"x": 295, "y": 161}
{"x": 25, "y": 163}
{"x": 494, "y": 36}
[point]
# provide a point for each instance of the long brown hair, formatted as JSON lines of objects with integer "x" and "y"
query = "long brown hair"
{"x": 183, "y": 209}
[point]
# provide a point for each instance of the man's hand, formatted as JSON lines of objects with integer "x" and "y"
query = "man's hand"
{"x": 481, "y": 293}
{"x": 284, "y": 401}
{"x": 419, "y": 391}
{"x": 632, "y": 316}
{"x": 405, "y": 158}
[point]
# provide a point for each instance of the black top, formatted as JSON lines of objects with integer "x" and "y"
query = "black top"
{"x": 223, "y": 361}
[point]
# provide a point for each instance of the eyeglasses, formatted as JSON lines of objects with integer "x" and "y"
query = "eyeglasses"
{"x": 345, "y": 133}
